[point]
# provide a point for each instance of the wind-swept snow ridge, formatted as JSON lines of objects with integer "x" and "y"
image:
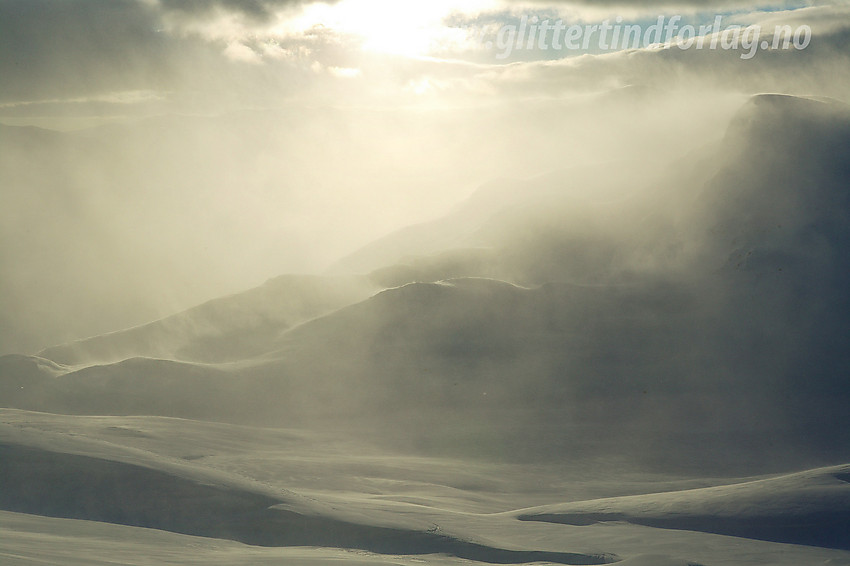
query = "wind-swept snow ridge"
{"x": 811, "y": 508}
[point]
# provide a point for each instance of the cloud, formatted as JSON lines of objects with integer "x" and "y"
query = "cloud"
{"x": 656, "y": 4}
{"x": 68, "y": 49}
{"x": 344, "y": 72}
{"x": 255, "y": 11}
{"x": 237, "y": 51}
{"x": 69, "y": 56}
{"x": 822, "y": 68}
{"x": 210, "y": 56}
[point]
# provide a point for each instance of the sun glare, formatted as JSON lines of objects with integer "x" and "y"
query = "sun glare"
{"x": 385, "y": 26}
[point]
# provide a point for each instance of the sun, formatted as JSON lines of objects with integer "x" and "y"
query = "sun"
{"x": 386, "y": 26}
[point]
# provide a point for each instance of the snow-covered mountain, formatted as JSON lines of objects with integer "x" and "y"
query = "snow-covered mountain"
{"x": 694, "y": 323}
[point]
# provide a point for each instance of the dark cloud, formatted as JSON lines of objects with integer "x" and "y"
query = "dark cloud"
{"x": 257, "y": 11}
{"x": 80, "y": 51}
{"x": 67, "y": 49}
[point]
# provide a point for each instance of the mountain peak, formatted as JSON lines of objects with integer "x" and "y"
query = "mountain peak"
{"x": 788, "y": 116}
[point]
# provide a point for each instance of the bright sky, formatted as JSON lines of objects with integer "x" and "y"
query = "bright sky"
{"x": 390, "y": 26}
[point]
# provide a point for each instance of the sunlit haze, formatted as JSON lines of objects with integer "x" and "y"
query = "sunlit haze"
{"x": 425, "y": 282}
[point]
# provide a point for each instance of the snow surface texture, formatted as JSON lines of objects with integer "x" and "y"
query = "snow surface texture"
{"x": 273, "y": 487}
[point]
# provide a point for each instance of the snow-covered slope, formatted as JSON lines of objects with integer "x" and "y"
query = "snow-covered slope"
{"x": 230, "y": 328}
{"x": 284, "y": 489}
{"x": 811, "y": 508}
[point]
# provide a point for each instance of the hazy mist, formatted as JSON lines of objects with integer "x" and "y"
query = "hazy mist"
{"x": 335, "y": 275}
